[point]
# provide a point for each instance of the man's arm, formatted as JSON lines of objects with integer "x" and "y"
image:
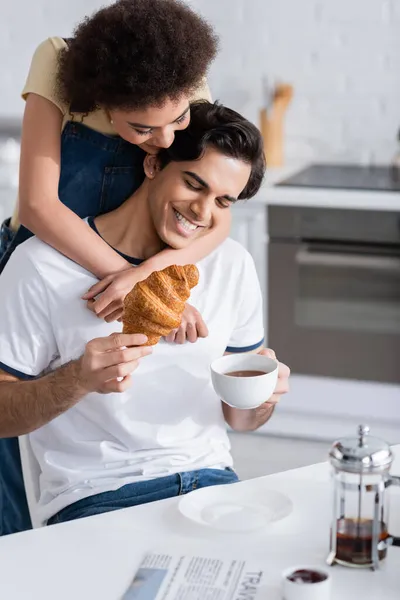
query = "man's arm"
{"x": 105, "y": 367}
{"x": 252, "y": 419}
{"x": 27, "y": 405}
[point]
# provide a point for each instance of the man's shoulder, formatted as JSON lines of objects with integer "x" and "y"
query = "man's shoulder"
{"x": 34, "y": 251}
{"x": 38, "y": 258}
{"x": 230, "y": 252}
{"x": 231, "y": 246}
{"x": 227, "y": 268}
{"x": 22, "y": 285}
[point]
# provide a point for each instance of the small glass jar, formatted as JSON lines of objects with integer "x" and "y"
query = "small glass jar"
{"x": 361, "y": 478}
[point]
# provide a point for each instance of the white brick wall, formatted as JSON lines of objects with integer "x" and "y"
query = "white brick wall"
{"x": 342, "y": 56}
{"x": 23, "y": 25}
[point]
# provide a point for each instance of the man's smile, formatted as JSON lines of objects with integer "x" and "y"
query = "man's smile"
{"x": 183, "y": 224}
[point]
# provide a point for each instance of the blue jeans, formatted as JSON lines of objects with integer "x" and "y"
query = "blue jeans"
{"x": 98, "y": 173}
{"x": 134, "y": 494}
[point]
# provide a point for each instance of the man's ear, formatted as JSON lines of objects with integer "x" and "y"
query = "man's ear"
{"x": 151, "y": 165}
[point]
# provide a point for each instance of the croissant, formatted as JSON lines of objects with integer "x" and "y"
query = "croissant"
{"x": 154, "y": 307}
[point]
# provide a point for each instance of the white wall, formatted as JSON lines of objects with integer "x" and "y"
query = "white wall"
{"x": 23, "y": 25}
{"x": 342, "y": 56}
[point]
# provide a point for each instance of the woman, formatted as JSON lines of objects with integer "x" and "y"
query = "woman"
{"x": 95, "y": 105}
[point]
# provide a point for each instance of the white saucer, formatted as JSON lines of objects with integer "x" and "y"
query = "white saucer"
{"x": 232, "y": 508}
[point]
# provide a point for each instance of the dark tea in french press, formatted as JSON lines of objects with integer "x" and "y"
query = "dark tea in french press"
{"x": 359, "y": 532}
{"x": 354, "y": 541}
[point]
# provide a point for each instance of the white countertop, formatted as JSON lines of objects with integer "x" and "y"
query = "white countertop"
{"x": 95, "y": 558}
{"x": 328, "y": 198}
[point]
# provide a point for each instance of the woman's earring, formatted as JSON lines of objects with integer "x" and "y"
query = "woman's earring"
{"x": 112, "y": 122}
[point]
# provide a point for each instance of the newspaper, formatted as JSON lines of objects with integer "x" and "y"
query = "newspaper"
{"x": 173, "y": 577}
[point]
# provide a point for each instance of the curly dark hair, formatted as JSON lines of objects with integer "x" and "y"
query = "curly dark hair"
{"x": 212, "y": 124}
{"x": 134, "y": 54}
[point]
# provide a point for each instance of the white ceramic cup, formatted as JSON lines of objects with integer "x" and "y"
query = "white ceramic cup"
{"x": 292, "y": 590}
{"x": 244, "y": 392}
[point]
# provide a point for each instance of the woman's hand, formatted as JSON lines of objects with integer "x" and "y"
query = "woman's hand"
{"x": 191, "y": 328}
{"x": 106, "y": 298}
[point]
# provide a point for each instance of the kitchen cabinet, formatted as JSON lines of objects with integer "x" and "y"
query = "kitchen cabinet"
{"x": 249, "y": 228}
{"x": 319, "y": 407}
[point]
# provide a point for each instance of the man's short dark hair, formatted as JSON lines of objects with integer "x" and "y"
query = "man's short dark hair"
{"x": 134, "y": 54}
{"x": 212, "y": 124}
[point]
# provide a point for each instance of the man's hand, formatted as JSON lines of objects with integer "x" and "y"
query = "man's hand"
{"x": 282, "y": 385}
{"x": 252, "y": 419}
{"x": 191, "y": 328}
{"x": 106, "y": 297}
{"x": 105, "y": 367}
{"x": 108, "y": 362}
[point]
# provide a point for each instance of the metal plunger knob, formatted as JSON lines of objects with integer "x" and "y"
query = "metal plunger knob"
{"x": 363, "y": 431}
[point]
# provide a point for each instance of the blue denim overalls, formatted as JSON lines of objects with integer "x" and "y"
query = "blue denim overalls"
{"x": 98, "y": 173}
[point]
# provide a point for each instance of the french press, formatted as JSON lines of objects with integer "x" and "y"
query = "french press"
{"x": 361, "y": 478}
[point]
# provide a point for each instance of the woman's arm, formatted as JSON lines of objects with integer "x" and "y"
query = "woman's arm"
{"x": 119, "y": 285}
{"x": 40, "y": 208}
{"x": 192, "y": 254}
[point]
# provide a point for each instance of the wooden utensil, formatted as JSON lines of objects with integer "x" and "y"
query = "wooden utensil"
{"x": 272, "y": 125}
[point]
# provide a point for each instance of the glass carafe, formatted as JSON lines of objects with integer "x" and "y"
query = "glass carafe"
{"x": 361, "y": 478}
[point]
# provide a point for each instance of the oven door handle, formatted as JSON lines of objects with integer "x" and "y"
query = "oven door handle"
{"x": 307, "y": 257}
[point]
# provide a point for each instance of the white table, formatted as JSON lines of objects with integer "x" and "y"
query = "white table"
{"x": 95, "y": 558}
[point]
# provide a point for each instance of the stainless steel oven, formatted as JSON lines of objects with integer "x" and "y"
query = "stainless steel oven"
{"x": 334, "y": 291}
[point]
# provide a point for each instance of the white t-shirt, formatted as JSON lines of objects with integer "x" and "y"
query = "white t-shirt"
{"x": 170, "y": 420}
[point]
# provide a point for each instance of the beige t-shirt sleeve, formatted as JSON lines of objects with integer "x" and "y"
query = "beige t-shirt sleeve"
{"x": 42, "y": 74}
{"x": 203, "y": 92}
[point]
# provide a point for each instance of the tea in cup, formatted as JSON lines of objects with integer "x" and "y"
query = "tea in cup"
{"x": 244, "y": 380}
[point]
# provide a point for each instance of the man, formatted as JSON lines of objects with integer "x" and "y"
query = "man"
{"x": 113, "y": 423}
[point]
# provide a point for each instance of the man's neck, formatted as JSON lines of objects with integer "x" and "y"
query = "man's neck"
{"x": 129, "y": 228}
